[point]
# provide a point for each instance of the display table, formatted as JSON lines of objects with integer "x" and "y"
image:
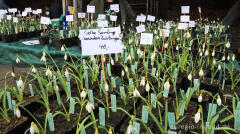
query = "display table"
{"x": 31, "y": 55}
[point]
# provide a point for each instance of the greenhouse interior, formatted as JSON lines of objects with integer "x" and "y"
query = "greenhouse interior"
{"x": 119, "y": 67}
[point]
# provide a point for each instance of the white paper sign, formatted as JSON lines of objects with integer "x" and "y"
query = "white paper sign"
{"x": 191, "y": 24}
{"x": 168, "y": 25}
{"x": 12, "y": 10}
{"x": 30, "y": 43}
{"x": 206, "y": 29}
{"x": 114, "y": 7}
{"x": 141, "y": 18}
{"x": 45, "y": 20}
{"x": 102, "y": 23}
{"x": 90, "y": 9}
{"x": 146, "y": 39}
{"x": 69, "y": 18}
{"x": 24, "y": 13}
{"x": 101, "y": 41}
{"x": 185, "y": 9}
{"x": 39, "y": 11}
{"x": 182, "y": 26}
{"x": 9, "y": 17}
{"x": 3, "y": 11}
{"x": 35, "y": 12}
{"x": 151, "y": 18}
{"x": 140, "y": 28}
{"x": 199, "y": 10}
{"x": 29, "y": 9}
{"x": 113, "y": 17}
{"x": 81, "y": 15}
{"x": 15, "y": 19}
{"x": 185, "y": 18}
{"x": 101, "y": 17}
{"x": 164, "y": 32}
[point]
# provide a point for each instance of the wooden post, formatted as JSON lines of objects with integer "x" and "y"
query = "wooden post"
{"x": 75, "y": 10}
{"x": 64, "y": 7}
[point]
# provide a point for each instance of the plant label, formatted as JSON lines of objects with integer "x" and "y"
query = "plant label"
{"x": 81, "y": 15}
{"x": 102, "y": 116}
{"x": 185, "y": 18}
{"x": 24, "y": 13}
{"x": 145, "y": 113}
{"x": 133, "y": 69}
{"x": 12, "y": 10}
{"x": 101, "y": 41}
{"x": 45, "y": 20}
{"x": 122, "y": 92}
{"x": 50, "y": 122}
{"x": 31, "y": 90}
{"x": 171, "y": 120}
{"x": 69, "y": 88}
{"x": 168, "y": 25}
{"x": 3, "y": 11}
{"x": 164, "y": 32}
{"x": 199, "y": 10}
{"x": 140, "y": 28}
{"x": 58, "y": 98}
{"x": 9, "y": 17}
{"x": 101, "y": 17}
{"x": 141, "y": 18}
{"x": 90, "y": 96}
{"x": 114, "y": 103}
{"x": 136, "y": 127}
{"x": 131, "y": 83}
{"x": 28, "y": 10}
{"x": 212, "y": 108}
{"x": 132, "y": 52}
{"x": 39, "y": 11}
{"x": 113, "y": 17}
{"x": 151, "y": 18}
{"x": 86, "y": 79}
{"x": 153, "y": 101}
{"x": 102, "y": 23}
{"x": 109, "y": 70}
{"x": 154, "y": 71}
{"x": 14, "y": 106}
{"x": 237, "y": 120}
{"x": 113, "y": 80}
{"x": 35, "y": 12}
{"x": 15, "y": 19}
{"x": 208, "y": 126}
{"x": 206, "y": 30}
{"x": 191, "y": 24}
{"x": 185, "y": 9}
{"x": 114, "y": 7}
{"x": 146, "y": 39}
{"x": 72, "y": 105}
{"x": 90, "y": 9}
{"x": 118, "y": 81}
{"x": 9, "y": 99}
{"x": 182, "y": 26}
{"x": 69, "y": 18}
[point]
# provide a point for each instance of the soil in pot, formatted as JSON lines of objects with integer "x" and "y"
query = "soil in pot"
{"x": 43, "y": 40}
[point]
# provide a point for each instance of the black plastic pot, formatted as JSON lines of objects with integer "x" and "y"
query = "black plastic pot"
{"x": 57, "y": 43}
{"x": 22, "y": 35}
{"x": 43, "y": 40}
{"x": 10, "y": 38}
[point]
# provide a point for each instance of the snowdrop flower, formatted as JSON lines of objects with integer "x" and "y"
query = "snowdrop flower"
{"x": 13, "y": 74}
{"x": 136, "y": 92}
{"x": 130, "y": 128}
{"x": 106, "y": 87}
{"x": 223, "y": 58}
{"x": 17, "y": 60}
{"x": 92, "y": 58}
{"x": 18, "y": 113}
{"x": 147, "y": 87}
{"x": 157, "y": 74}
{"x": 112, "y": 61}
{"x": 83, "y": 94}
{"x": 189, "y": 48}
{"x": 228, "y": 58}
{"x": 65, "y": 57}
{"x": 213, "y": 53}
{"x": 214, "y": 61}
{"x": 219, "y": 101}
{"x": 206, "y": 53}
{"x": 33, "y": 128}
{"x": 190, "y": 77}
{"x": 201, "y": 53}
{"x": 167, "y": 85}
{"x": 233, "y": 57}
{"x": 166, "y": 45}
{"x": 123, "y": 73}
{"x": 219, "y": 67}
{"x": 62, "y": 48}
{"x": 56, "y": 88}
{"x": 89, "y": 107}
{"x": 197, "y": 116}
{"x": 153, "y": 56}
{"x": 34, "y": 70}
{"x": 188, "y": 35}
{"x": 20, "y": 83}
{"x": 66, "y": 73}
{"x": 142, "y": 83}
{"x": 110, "y": 131}
{"x": 43, "y": 58}
{"x": 228, "y": 45}
{"x": 177, "y": 48}
{"x": 200, "y": 98}
{"x": 201, "y": 72}
{"x": 48, "y": 72}
{"x": 139, "y": 51}
{"x": 126, "y": 69}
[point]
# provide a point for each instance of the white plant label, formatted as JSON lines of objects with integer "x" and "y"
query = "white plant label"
{"x": 101, "y": 17}
{"x": 9, "y": 17}
{"x": 29, "y": 9}
{"x": 168, "y": 25}
{"x": 81, "y": 15}
{"x": 165, "y": 32}
{"x": 141, "y": 18}
{"x": 146, "y": 39}
{"x": 24, "y": 13}
{"x": 113, "y": 17}
{"x": 35, "y": 12}
{"x": 39, "y": 11}
{"x": 12, "y": 10}
{"x": 182, "y": 26}
{"x": 185, "y": 9}
{"x": 206, "y": 30}
{"x": 45, "y": 20}
{"x": 102, "y": 23}
{"x": 114, "y": 7}
{"x": 191, "y": 23}
{"x": 90, "y": 9}
{"x": 69, "y": 18}
{"x": 3, "y": 11}
{"x": 15, "y": 19}
{"x": 101, "y": 41}
{"x": 199, "y": 10}
{"x": 185, "y": 18}
{"x": 151, "y": 18}
{"x": 140, "y": 28}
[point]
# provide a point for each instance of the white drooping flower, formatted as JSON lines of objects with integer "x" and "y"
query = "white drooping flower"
{"x": 20, "y": 83}
{"x": 214, "y": 61}
{"x": 33, "y": 128}
{"x": 110, "y": 131}
{"x": 62, "y": 48}
{"x": 228, "y": 45}
{"x": 206, "y": 53}
{"x": 13, "y": 74}
{"x": 83, "y": 94}
{"x": 43, "y": 58}
{"x": 65, "y": 57}
{"x": 34, "y": 70}
{"x": 201, "y": 72}
{"x": 157, "y": 74}
{"x": 167, "y": 85}
{"x": 197, "y": 116}
{"x": 123, "y": 73}
{"x": 219, "y": 67}
{"x": 233, "y": 57}
{"x": 56, "y": 88}
{"x": 223, "y": 58}
{"x": 147, "y": 87}
{"x": 166, "y": 45}
{"x": 200, "y": 98}
{"x": 139, "y": 51}
{"x": 48, "y": 72}
{"x": 89, "y": 107}
{"x": 106, "y": 87}
{"x": 142, "y": 83}
{"x": 228, "y": 58}
{"x": 219, "y": 101}
{"x": 17, "y": 60}
{"x": 213, "y": 53}
{"x": 153, "y": 56}
{"x": 92, "y": 58}
{"x": 130, "y": 128}
{"x": 66, "y": 73}
{"x": 129, "y": 57}
{"x": 189, "y": 48}
{"x": 136, "y": 92}
{"x": 201, "y": 53}
{"x": 18, "y": 113}
{"x": 190, "y": 77}
{"x": 112, "y": 61}
{"x": 188, "y": 35}
{"x": 177, "y": 47}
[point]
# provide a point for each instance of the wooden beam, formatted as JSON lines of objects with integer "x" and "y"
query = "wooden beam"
{"x": 75, "y": 9}
{"x": 64, "y": 7}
